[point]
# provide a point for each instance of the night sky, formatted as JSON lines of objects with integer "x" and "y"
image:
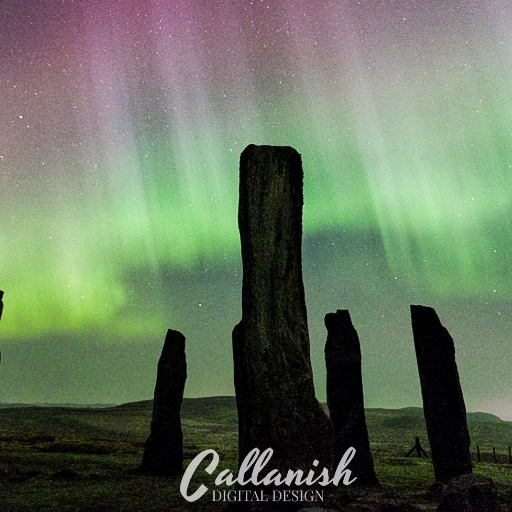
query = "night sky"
{"x": 121, "y": 128}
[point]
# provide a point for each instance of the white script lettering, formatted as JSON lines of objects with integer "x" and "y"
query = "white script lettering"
{"x": 257, "y": 461}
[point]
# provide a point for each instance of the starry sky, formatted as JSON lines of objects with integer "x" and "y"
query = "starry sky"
{"x": 121, "y": 128}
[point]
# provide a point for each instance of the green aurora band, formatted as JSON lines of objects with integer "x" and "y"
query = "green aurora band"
{"x": 119, "y": 184}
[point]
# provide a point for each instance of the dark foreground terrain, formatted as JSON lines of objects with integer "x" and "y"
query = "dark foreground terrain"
{"x": 86, "y": 459}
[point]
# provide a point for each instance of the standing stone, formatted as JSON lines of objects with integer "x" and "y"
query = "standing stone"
{"x": 345, "y": 397}
{"x": 163, "y": 452}
{"x": 1, "y": 309}
{"x": 443, "y": 403}
{"x": 274, "y": 386}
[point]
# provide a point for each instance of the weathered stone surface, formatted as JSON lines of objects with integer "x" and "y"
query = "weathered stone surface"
{"x": 163, "y": 452}
{"x": 454, "y": 501}
{"x": 274, "y": 386}
{"x": 1, "y": 309}
{"x": 345, "y": 397}
{"x": 443, "y": 403}
{"x": 478, "y": 491}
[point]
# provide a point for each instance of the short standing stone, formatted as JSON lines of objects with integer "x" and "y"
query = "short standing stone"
{"x": 1, "y": 309}
{"x": 274, "y": 386}
{"x": 163, "y": 452}
{"x": 443, "y": 403}
{"x": 345, "y": 397}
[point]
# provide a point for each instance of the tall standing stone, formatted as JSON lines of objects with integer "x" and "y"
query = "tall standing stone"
{"x": 274, "y": 386}
{"x": 345, "y": 397}
{"x": 163, "y": 452}
{"x": 443, "y": 403}
{"x": 1, "y": 309}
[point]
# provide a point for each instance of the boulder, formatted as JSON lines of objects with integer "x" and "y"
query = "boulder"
{"x": 476, "y": 493}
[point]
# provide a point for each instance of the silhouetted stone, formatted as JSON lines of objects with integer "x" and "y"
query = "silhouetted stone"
{"x": 345, "y": 397}
{"x": 1, "y": 309}
{"x": 274, "y": 386}
{"x": 443, "y": 403}
{"x": 163, "y": 452}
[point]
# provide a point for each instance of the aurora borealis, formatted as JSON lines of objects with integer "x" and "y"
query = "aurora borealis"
{"x": 121, "y": 127}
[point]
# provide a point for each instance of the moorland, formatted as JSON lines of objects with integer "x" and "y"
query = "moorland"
{"x": 86, "y": 459}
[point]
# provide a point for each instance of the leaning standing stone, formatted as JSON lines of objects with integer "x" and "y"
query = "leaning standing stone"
{"x": 163, "y": 452}
{"x": 443, "y": 403}
{"x": 1, "y": 310}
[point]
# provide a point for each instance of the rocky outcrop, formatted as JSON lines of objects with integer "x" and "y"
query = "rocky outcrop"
{"x": 345, "y": 398}
{"x": 163, "y": 452}
{"x": 443, "y": 403}
{"x": 274, "y": 386}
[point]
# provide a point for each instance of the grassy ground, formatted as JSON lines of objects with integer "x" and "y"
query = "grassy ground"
{"x": 86, "y": 459}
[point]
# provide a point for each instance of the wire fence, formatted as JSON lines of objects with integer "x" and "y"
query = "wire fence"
{"x": 487, "y": 454}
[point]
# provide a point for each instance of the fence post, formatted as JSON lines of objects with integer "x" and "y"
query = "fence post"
{"x": 494, "y": 454}
{"x": 419, "y": 449}
{"x": 509, "y": 456}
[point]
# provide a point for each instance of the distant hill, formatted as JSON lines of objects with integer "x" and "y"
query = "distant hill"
{"x": 217, "y": 408}
{"x": 214, "y": 415}
{"x": 396, "y": 427}
{"x": 484, "y": 416}
{"x": 212, "y": 406}
{"x": 4, "y": 405}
